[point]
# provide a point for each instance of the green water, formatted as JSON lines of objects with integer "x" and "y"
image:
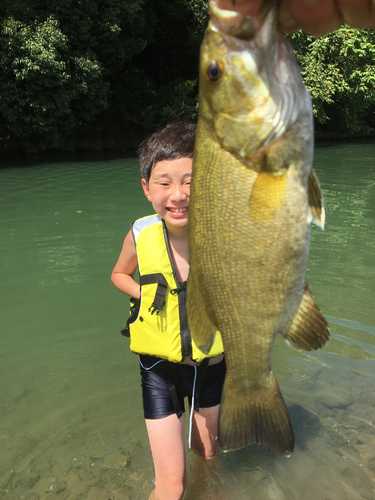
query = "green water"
{"x": 71, "y": 423}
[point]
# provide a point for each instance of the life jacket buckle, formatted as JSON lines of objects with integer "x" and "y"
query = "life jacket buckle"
{"x": 155, "y": 309}
{"x": 161, "y": 289}
{"x": 181, "y": 288}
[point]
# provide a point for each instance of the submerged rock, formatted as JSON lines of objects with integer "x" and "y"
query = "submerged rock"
{"x": 332, "y": 398}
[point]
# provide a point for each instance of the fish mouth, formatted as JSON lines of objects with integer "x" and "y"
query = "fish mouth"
{"x": 235, "y": 24}
{"x": 177, "y": 210}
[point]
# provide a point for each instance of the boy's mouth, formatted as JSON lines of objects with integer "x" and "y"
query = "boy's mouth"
{"x": 177, "y": 210}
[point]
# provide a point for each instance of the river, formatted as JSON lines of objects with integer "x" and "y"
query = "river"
{"x": 71, "y": 422}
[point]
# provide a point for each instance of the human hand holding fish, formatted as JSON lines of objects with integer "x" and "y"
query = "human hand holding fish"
{"x": 253, "y": 197}
{"x": 314, "y": 16}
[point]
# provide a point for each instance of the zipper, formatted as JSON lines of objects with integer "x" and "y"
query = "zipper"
{"x": 181, "y": 291}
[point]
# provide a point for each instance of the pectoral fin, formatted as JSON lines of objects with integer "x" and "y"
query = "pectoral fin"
{"x": 316, "y": 202}
{"x": 201, "y": 327}
{"x": 309, "y": 329}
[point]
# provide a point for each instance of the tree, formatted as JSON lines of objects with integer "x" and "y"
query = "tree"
{"x": 57, "y": 60}
{"x": 339, "y": 71}
{"x": 63, "y": 64}
{"x": 41, "y": 83}
{"x": 161, "y": 84}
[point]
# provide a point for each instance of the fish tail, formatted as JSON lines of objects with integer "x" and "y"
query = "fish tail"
{"x": 255, "y": 416}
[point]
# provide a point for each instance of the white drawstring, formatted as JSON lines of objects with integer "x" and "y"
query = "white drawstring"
{"x": 150, "y": 368}
{"x": 192, "y": 405}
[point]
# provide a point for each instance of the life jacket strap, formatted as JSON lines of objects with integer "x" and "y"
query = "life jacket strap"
{"x": 135, "y": 305}
{"x": 161, "y": 290}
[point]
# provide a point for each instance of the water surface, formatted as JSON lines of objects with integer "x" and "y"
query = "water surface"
{"x": 71, "y": 421}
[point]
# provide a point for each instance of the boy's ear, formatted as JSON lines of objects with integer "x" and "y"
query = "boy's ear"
{"x": 145, "y": 189}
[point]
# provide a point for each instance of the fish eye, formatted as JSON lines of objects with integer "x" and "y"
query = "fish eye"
{"x": 214, "y": 71}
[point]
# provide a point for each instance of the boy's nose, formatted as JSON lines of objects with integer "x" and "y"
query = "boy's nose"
{"x": 179, "y": 193}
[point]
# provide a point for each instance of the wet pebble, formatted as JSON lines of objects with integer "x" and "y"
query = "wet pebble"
{"x": 333, "y": 398}
{"x": 75, "y": 483}
{"x": 365, "y": 446}
{"x": 116, "y": 461}
{"x": 330, "y": 423}
{"x": 97, "y": 493}
{"x": 52, "y": 485}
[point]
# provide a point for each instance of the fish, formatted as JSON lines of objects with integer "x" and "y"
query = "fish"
{"x": 253, "y": 197}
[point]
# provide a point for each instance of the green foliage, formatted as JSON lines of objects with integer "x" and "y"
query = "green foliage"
{"x": 41, "y": 83}
{"x": 64, "y": 63}
{"x": 339, "y": 71}
{"x": 200, "y": 11}
{"x": 163, "y": 83}
{"x": 58, "y": 60}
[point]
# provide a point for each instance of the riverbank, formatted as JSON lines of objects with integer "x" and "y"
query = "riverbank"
{"x": 120, "y": 135}
{"x": 105, "y": 135}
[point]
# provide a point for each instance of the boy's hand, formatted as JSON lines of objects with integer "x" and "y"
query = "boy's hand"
{"x": 314, "y": 16}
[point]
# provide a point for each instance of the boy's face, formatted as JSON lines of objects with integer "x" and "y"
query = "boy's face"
{"x": 169, "y": 189}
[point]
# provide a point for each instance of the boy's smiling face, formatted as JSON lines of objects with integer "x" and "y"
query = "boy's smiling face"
{"x": 168, "y": 190}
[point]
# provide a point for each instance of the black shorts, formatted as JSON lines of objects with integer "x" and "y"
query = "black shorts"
{"x": 158, "y": 376}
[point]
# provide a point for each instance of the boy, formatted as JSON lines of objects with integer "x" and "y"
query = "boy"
{"x": 171, "y": 365}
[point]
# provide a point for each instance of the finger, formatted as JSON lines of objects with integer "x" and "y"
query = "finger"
{"x": 315, "y": 16}
{"x": 245, "y": 7}
{"x": 356, "y": 13}
{"x": 286, "y": 20}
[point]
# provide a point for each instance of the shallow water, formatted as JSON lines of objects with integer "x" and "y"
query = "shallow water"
{"x": 71, "y": 421}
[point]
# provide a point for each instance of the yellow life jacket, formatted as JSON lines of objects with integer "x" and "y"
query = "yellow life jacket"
{"x": 159, "y": 326}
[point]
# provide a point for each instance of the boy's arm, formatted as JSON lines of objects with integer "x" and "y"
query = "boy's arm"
{"x": 122, "y": 274}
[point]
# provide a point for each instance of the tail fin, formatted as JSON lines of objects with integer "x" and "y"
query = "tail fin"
{"x": 257, "y": 416}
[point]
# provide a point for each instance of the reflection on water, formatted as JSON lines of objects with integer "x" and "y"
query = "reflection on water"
{"x": 70, "y": 407}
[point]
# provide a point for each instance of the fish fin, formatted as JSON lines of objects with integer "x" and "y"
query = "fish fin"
{"x": 255, "y": 416}
{"x": 316, "y": 202}
{"x": 309, "y": 329}
{"x": 202, "y": 329}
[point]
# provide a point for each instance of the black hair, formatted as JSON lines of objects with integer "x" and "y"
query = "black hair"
{"x": 174, "y": 141}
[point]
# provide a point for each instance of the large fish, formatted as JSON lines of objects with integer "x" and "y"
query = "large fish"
{"x": 253, "y": 197}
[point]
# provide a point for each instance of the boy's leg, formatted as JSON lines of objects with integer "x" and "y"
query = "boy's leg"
{"x": 204, "y": 435}
{"x": 167, "y": 442}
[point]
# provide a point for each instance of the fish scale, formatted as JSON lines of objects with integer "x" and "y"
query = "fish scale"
{"x": 253, "y": 196}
